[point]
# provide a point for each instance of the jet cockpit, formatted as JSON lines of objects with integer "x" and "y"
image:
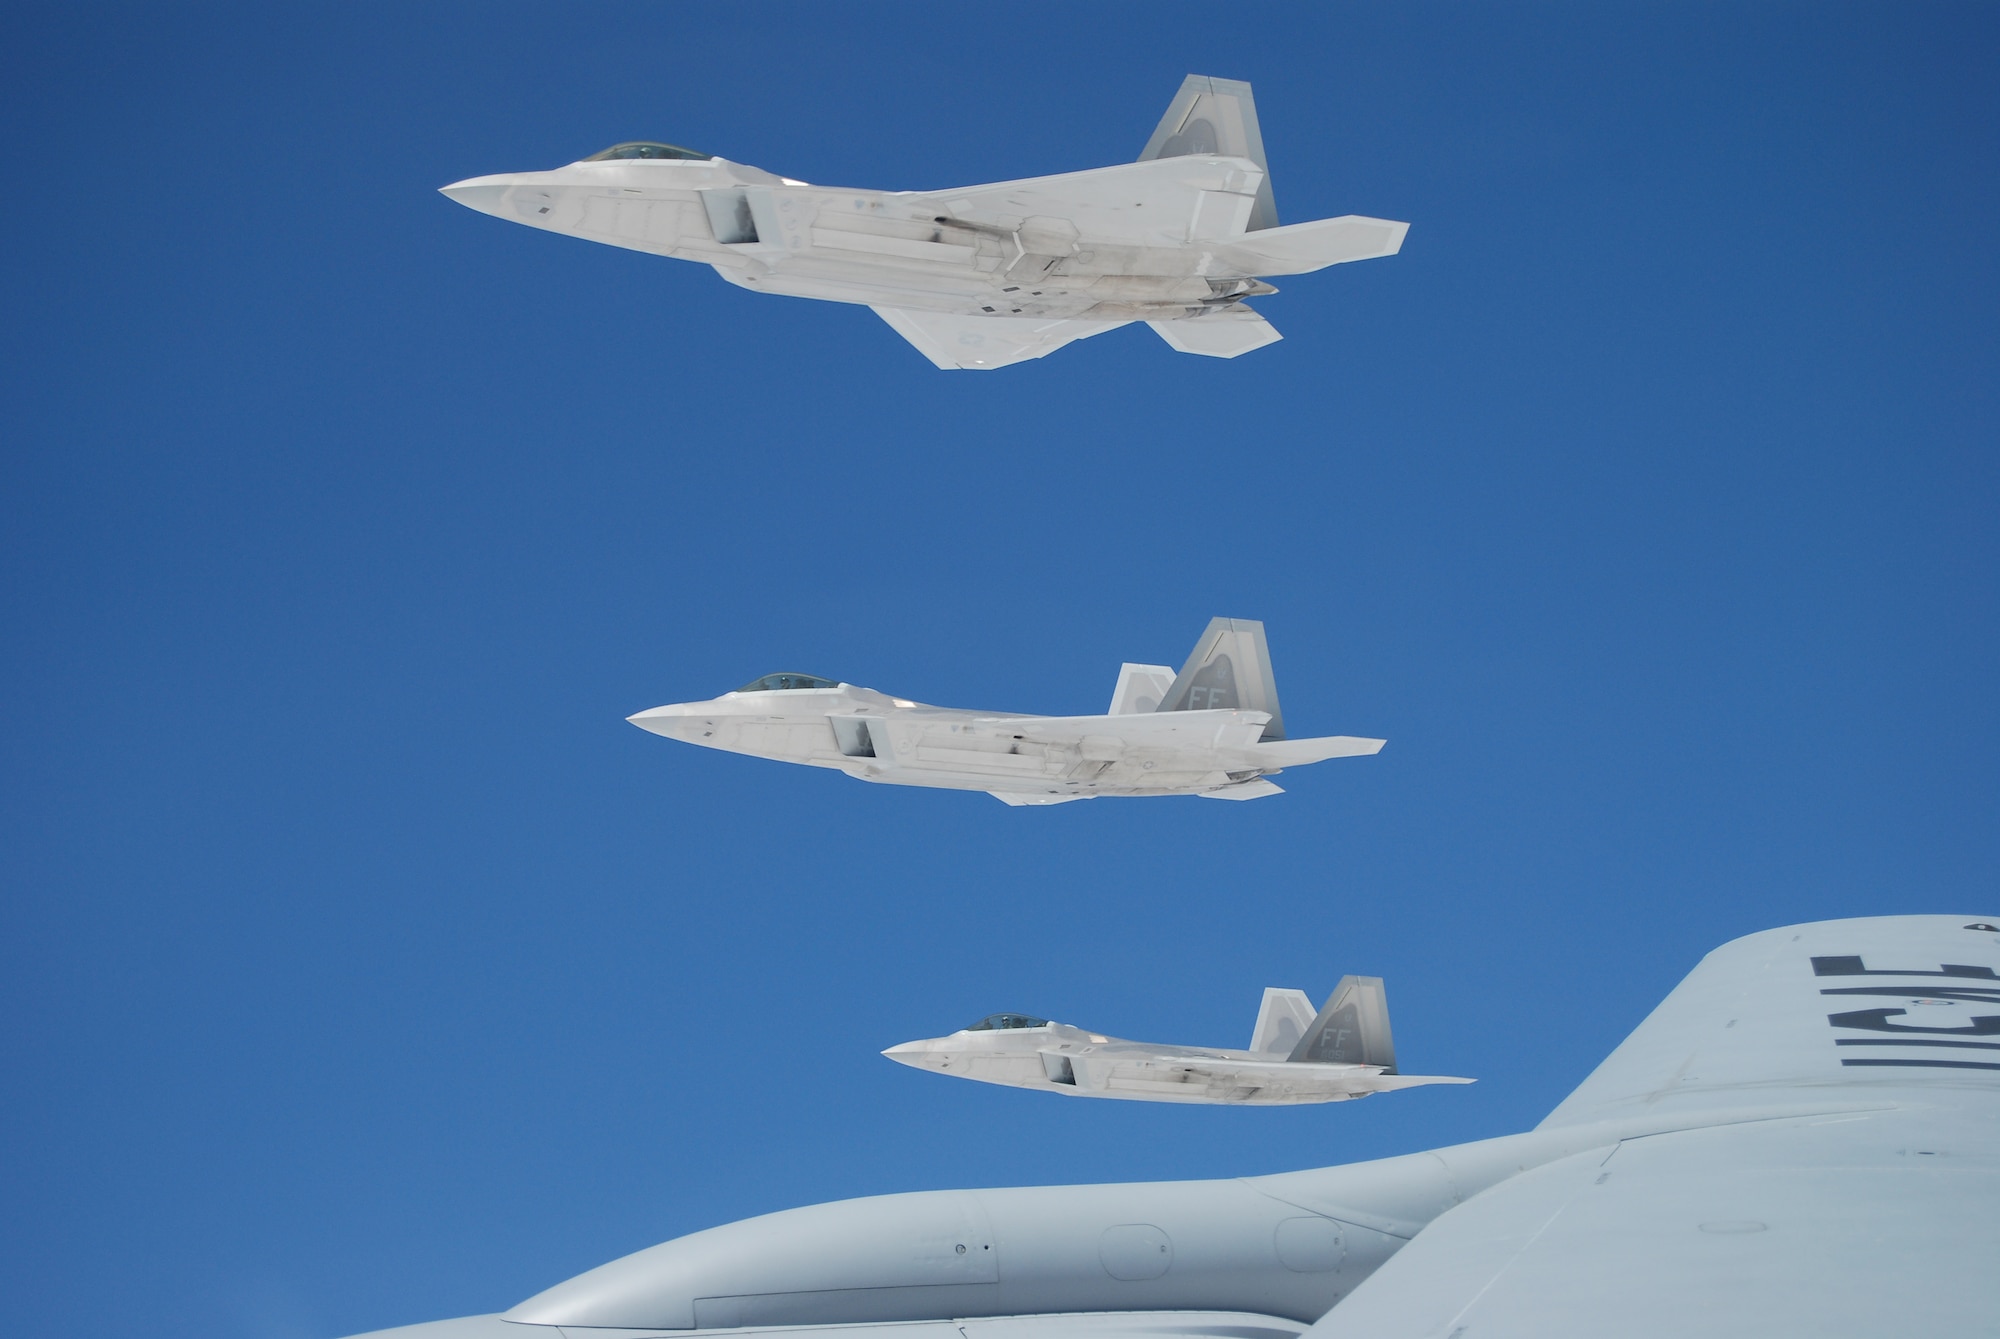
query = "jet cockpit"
{"x": 640, "y": 148}
{"x": 786, "y": 683}
{"x": 1006, "y": 1023}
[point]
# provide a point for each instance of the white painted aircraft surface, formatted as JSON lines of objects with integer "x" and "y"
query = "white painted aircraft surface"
{"x": 1802, "y": 1139}
{"x": 1214, "y": 730}
{"x": 978, "y": 276}
{"x": 1297, "y": 1055}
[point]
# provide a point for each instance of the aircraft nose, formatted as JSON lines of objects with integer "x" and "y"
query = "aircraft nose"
{"x": 677, "y": 720}
{"x": 485, "y": 194}
{"x": 918, "y": 1054}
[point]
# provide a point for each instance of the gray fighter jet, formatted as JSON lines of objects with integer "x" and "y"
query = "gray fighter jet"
{"x": 1803, "y": 1139}
{"x": 977, "y": 276}
{"x": 1214, "y": 730}
{"x": 1295, "y": 1057}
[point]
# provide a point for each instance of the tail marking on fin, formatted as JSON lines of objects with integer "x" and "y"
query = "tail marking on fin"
{"x": 1353, "y": 1028}
{"x": 1230, "y": 668}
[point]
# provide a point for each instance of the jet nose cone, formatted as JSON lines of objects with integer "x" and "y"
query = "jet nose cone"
{"x": 488, "y": 195}
{"x": 678, "y": 720}
{"x": 653, "y": 718}
{"x": 918, "y": 1054}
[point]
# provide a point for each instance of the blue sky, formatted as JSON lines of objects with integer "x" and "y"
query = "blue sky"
{"x": 362, "y": 966}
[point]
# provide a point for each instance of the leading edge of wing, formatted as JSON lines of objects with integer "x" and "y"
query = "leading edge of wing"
{"x": 980, "y": 343}
{"x": 1887, "y": 1002}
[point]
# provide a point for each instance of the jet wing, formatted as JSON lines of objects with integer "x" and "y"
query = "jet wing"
{"x": 953, "y": 342}
{"x": 1876, "y": 1208}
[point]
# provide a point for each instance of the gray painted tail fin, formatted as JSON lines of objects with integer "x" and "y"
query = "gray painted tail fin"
{"x": 1216, "y": 116}
{"x": 1229, "y": 668}
{"x": 1282, "y": 1021}
{"x": 1353, "y": 1029}
{"x": 1140, "y": 689}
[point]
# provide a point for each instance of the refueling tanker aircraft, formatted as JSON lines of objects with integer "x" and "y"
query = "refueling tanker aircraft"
{"x": 1296, "y": 1056}
{"x": 1803, "y": 1139}
{"x": 977, "y": 276}
{"x": 1214, "y": 730}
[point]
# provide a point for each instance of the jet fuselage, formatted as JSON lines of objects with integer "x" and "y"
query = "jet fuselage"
{"x": 874, "y": 737}
{"x": 1158, "y": 240}
{"x": 1056, "y": 1057}
{"x": 978, "y": 276}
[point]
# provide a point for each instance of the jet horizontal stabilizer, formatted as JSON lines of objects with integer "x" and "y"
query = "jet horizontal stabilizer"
{"x": 1275, "y": 753}
{"x": 1304, "y": 247}
{"x": 1220, "y": 334}
{"x": 954, "y": 342}
{"x": 1245, "y": 790}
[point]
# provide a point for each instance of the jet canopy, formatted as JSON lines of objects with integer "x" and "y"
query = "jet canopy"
{"x": 640, "y": 148}
{"x": 785, "y": 683}
{"x": 1006, "y": 1023}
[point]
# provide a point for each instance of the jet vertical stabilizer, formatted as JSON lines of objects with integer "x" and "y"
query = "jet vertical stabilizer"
{"x": 1353, "y": 1028}
{"x": 1216, "y": 116}
{"x": 1140, "y": 689}
{"x": 1230, "y": 669}
{"x": 1282, "y": 1021}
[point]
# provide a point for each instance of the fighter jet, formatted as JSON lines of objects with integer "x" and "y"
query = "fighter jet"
{"x": 1214, "y": 729}
{"x": 1802, "y": 1139}
{"x": 977, "y": 276}
{"x": 1295, "y": 1056}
